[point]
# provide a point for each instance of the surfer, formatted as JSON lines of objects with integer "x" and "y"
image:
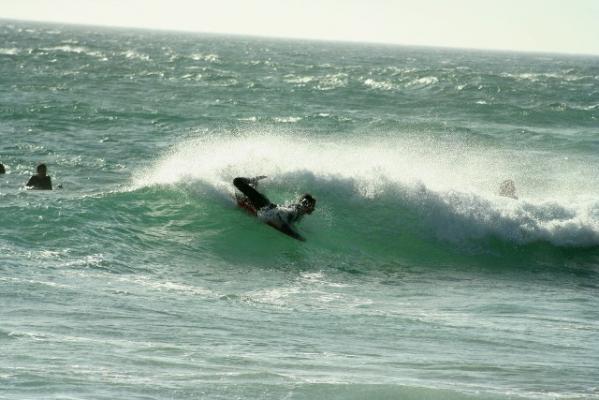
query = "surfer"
{"x": 508, "y": 189}
{"x": 2, "y": 169}
{"x": 41, "y": 181}
{"x": 281, "y": 217}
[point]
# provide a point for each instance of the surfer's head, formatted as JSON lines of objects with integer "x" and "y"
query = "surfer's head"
{"x": 307, "y": 203}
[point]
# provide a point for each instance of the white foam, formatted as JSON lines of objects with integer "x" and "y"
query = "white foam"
{"x": 424, "y": 81}
{"x": 332, "y": 81}
{"x": 248, "y": 119}
{"x": 211, "y": 58}
{"x": 382, "y": 85}
{"x": 134, "y": 55}
{"x": 168, "y": 286}
{"x": 299, "y": 80}
{"x": 538, "y": 76}
{"x": 65, "y": 48}
{"x": 9, "y": 51}
{"x": 460, "y": 217}
{"x": 456, "y": 183}
{"x": 287, "y": 119}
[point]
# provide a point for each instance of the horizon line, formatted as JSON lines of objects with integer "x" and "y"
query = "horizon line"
{"x": 299, "y": 38}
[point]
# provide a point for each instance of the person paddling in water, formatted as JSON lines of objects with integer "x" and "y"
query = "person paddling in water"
{"x": 41, "y": 181}
{"x": 280, "y": 217}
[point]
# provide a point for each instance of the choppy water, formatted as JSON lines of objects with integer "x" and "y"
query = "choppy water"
{"x": 141, "y": 280}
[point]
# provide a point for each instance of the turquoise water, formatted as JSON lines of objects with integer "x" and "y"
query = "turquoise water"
{"x": 141, "y": 280}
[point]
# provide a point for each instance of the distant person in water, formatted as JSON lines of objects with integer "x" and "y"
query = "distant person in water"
{"x": 508, "y": 189}
{"x": 2, "y": 170}
{"x": 41, "y": 181}
{"x": 278, "y": 216}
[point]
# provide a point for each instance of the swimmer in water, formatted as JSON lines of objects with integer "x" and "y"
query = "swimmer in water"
{"x": 41, "y": 181}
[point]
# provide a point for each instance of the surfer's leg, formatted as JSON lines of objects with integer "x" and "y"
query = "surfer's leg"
{"x": 257, "y": 199}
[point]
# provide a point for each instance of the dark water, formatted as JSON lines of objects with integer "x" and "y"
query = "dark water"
{"x": 140, "y": 279}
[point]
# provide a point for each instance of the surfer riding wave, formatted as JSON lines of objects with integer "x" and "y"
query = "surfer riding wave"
{"x": 281, "y": 217}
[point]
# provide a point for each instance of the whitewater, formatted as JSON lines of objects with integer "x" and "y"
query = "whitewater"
{"x": 139, "y": 278}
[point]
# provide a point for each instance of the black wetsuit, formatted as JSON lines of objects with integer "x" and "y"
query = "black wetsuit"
{"x": 40, "y": 183}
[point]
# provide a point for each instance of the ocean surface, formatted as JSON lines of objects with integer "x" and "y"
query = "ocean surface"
{"x": 141, "y": 279}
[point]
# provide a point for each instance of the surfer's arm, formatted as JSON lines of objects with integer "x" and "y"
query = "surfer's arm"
{"x": 288, "y": 230}
{"x": 254, "y": 181}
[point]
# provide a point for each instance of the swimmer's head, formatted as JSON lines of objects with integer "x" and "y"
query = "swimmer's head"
{"x": 42, "y": 170}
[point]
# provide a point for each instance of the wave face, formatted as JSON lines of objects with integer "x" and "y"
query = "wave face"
{"x": 140, "y": 278}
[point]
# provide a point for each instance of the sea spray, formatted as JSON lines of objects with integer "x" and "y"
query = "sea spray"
{"x": 397, "y": 175}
